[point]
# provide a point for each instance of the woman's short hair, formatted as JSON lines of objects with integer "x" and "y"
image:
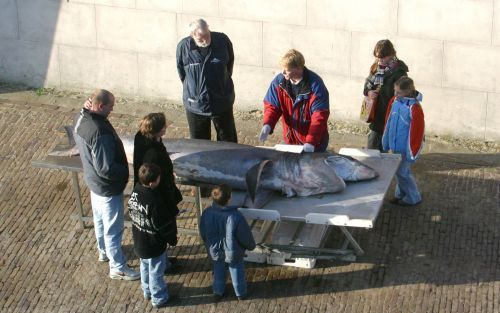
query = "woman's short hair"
{"x": 221, "y": 194}
{"x": 384, "y": 48}
{"x": 152, "y": 124}
{"x": 292, "y": 59}
{"x": 148, "y": 173}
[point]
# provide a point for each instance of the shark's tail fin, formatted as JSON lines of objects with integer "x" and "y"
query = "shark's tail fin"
{"x": 69, "y": 133}
{"x": 69, "y": 149}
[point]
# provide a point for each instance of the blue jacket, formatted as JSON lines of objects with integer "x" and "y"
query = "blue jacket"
{"x": 404, "y": 129}
{"x": 226, "y": 233}
{"x": 105, "y": 166}
{"x": 207, "y": 84}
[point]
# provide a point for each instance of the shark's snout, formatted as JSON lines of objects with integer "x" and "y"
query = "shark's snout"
{"x": 349, "y": 169}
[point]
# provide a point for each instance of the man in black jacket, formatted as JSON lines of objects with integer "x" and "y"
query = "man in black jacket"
{"x": 105, "y": 170}
{"x": 205, "y": 64}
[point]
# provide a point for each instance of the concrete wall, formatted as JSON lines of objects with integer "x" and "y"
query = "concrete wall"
{"x": 128, "y": 46}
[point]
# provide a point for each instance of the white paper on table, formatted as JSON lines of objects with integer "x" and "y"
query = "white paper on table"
{"x": 289, "y": 148}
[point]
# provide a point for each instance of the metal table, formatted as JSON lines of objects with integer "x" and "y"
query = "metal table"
{"x": 292, "y": 230}
{"x": 289, "y": 231}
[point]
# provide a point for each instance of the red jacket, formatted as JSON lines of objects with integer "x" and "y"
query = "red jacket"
{"x": 305, "y": 119}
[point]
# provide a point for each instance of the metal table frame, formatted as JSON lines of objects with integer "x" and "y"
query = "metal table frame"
{"x": 73, "y": 165}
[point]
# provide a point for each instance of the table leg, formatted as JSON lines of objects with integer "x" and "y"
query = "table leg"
{"x": 352, "y": 241}
{"x": 197, "y": 203}
{"x": 78, "y": 198}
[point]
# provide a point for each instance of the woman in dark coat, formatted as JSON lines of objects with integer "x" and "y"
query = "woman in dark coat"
{"x": 379, "y": 86}
{"x": 149, "y": 148}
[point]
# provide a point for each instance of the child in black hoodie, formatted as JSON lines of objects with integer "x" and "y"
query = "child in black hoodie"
{"x": 154, "y": 226}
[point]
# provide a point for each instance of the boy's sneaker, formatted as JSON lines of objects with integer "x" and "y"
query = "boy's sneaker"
{"x": 125, "y": 274}
{"x": 218, "y": 297}
{"x": 103, "y": 257}
{"x": 172, "y": 300}
{"x": 404, "y": 203}
{"x": 394, "y": 200}
{"x": 242, "y": 297}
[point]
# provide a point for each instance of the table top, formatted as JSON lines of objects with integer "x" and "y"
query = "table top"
{"x": 356, "y": 206}
{"x": 71, "y": 164}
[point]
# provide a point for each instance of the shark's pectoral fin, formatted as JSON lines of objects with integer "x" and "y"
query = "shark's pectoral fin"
{"x": 261, "y": 198}
{"x": 253, "y": 177}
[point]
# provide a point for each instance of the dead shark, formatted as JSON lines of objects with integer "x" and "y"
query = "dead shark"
{"x": 256, "y": 169}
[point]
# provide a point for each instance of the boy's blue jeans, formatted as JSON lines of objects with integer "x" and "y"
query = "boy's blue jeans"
{"x": 406, "y": 188}
{"x": 152, "y": 282}
{"x": 237, "y": 272}
{"x": 108, "y": 226}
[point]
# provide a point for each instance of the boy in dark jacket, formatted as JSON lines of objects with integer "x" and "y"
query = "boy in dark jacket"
{"x": 226, "y": 235}
{"x": 154, "y": 226}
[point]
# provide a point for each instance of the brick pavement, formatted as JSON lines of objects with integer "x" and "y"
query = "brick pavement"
{"x": 442, "y": 256}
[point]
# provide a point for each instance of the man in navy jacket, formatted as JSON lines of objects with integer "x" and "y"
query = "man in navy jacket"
{"x": 205, "y": 65}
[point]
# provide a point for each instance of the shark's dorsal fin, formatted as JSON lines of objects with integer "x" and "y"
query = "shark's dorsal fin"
{"x": 253, "y": 177}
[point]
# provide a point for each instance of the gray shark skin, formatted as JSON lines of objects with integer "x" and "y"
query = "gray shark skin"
{"x": 250, "y": 168}
{"x": 253, "y": 169}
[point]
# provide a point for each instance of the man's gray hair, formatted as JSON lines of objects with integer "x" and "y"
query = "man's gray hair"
{"x": 196, "y": 24}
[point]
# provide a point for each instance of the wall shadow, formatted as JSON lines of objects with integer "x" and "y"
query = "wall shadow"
{"x": 28, "y": 37}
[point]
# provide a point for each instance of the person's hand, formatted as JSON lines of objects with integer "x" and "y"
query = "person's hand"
{"x": 88, "y": 104}
{"x": 373, "y": 94}
{"x": 266, "y": 129}
{"x": 308, "y": 147}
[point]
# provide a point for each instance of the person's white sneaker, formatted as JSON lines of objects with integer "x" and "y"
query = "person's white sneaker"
{"x": 125, "y": 274}
{"x": 103, "y": 257}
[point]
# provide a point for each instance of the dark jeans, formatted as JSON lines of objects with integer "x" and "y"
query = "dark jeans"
{"x": 200, "y": 128}
{"x": 374, "y": 141}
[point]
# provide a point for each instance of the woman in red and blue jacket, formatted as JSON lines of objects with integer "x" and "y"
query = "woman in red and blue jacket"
{"x": 300, "y": 98}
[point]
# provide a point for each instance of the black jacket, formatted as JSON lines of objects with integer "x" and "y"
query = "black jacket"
{"x": 150, "y": 151}
{"x": 105, "y": 166}
{"x": 207, "y": 84}
{"x": 153, "y": 226}
{"x": 385, "y": 95}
